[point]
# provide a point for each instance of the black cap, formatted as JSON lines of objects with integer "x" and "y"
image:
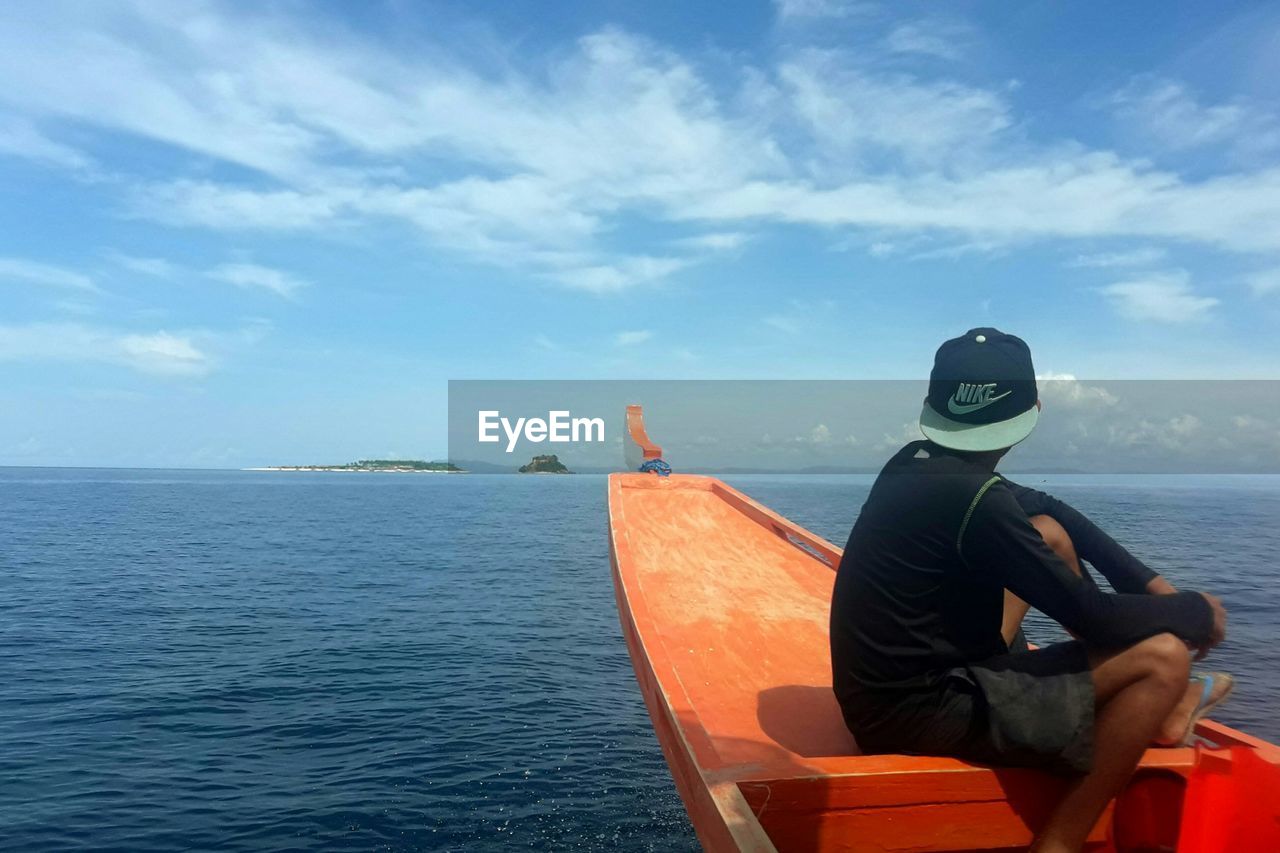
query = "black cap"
{"x": 982, "y": 392}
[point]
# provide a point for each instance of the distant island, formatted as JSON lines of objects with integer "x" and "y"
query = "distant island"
{"x": 404, "y": 466}
{"x": 545, "y": 465}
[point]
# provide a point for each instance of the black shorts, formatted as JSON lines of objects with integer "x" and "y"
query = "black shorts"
{"x": 1029, "y": 709}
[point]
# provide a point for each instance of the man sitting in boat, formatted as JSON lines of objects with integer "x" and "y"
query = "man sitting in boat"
{"x": 925, "y": 644}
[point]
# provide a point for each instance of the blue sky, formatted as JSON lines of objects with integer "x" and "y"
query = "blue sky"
{"x": 236, "y": 234}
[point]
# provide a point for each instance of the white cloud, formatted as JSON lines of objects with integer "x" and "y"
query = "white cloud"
{"x": 159, "y": 353}
{"x": 1140, "y": 257}
{"x": 1265, "y": 282}
{"x": 616, "y": 275}
{"x": 241, "y": 274}
{"x": 939, "y": 39}
{"x": 230, "y": 207}
{"x": 1159, "y": 297}
{"x": 818, "y": 9}
{"x": 75, "y": 306}
{"x": 819, "y": 439}
{"x": 20, "y": 138}
{"x": 1082, "y": 195}
{"x": 535, "y": 166}
{"x": 1064, "y": 389}
{"x": 631, "y": 338}
{"x": 1166, "y": 112}
{"x": 622, "y": 123}
{"x": 907, "y": 433}
{"x": 716, "y": 241}
{"x": 854, "y": 113}
{"x": 123, "y": 79}
{"x": 1174, "y": 433}
{"x": 19, "y": 269}
{"x": 250, "y": 276}
{"x": 163, "y": 353}
{"x": 154, "y": 267}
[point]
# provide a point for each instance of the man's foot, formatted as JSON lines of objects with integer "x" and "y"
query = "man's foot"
{"x": 1205, "y": 691}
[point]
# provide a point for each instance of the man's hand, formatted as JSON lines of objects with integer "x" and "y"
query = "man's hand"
{"x": 1159, "y": 586}
{"x": 1219, "y": 630}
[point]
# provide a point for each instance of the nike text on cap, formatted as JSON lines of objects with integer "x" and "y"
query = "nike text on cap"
{"x": 982, "y": 392}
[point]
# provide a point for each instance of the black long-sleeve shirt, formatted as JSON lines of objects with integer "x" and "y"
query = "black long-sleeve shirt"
{"x": 920, "y": 588}
{"x": 1125, "y": 572}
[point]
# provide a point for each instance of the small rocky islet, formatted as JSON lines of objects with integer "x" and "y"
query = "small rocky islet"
{"x": 549, "y": 464}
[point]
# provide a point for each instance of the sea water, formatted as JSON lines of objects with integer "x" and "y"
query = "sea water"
{"x": 246, "y": 660}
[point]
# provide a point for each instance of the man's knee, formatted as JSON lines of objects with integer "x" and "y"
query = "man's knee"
{"x": 1056, "y": 537}
{"x": 1167, "y": 658}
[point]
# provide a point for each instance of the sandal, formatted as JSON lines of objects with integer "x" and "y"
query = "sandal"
{"x": 1206, "y": 704}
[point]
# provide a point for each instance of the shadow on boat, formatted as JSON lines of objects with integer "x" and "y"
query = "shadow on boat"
{"x": 806, "y": 730}
{"x": 804, "y": 719}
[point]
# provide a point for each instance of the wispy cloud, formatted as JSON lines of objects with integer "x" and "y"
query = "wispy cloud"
{"x": 631, "y": 338}
{"x": 159, "y": 353}
{"x": 1160, "y": 297}
{"x": 618, "y": 274}
{"x": 254, "y": 276}
{"x": 248, "y": 276}
{"x": 716, "y": 241}
{"x": 163, "y": 353}
{"x": 20, "y": 138}
{"x": 817, "y": 9}
{"x": 1265, "y": 282}
{"x": 1140, "y": 257}
{"x": 34, "y": 272}
{"x": 538, "y": 166}
{"x": 154, "y": 267}
{"x": 236, "y": 208}
{"x": 939, "y": 39}
{"x": 1166, "y": 112}
{"x": 857, "y": 116}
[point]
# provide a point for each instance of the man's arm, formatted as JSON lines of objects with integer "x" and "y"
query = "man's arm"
{"x": 1125, "y": 572}
{"x": 1000, "y": 541}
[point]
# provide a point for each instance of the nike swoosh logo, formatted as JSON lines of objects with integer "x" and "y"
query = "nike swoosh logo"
{"x": 965, "y": 408}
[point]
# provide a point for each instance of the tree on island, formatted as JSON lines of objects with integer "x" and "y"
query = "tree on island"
{"x": 407, "y": 464}
{"x": 545, "y": 465}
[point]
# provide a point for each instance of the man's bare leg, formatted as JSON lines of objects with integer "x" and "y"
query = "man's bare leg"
{"x": 1015, "y": 609}
{"x": 1135, "y": 691}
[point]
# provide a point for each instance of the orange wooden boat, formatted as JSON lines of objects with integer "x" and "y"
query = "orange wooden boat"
{"x": 724, "y": 606}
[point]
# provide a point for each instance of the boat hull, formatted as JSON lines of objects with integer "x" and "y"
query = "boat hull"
{"x": 724, "y": 606}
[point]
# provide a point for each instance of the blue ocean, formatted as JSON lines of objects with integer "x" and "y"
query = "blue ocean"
{"x": 327, "y": 661}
